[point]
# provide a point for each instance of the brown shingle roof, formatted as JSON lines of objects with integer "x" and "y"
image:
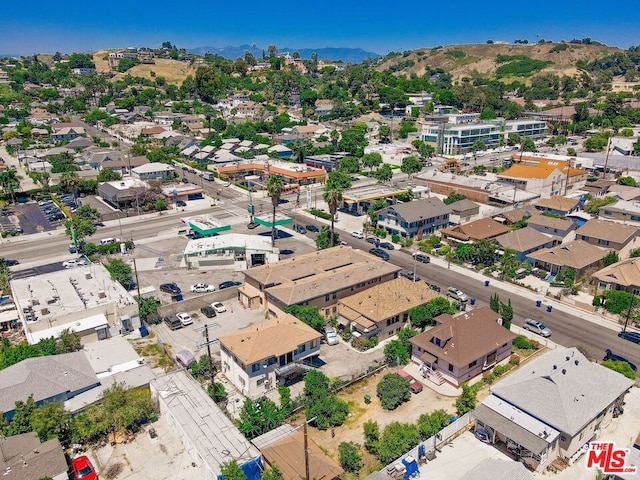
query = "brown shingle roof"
{"x": 562, "y": 204}
{"x": 273, "y": 337}
{"x": 576, "y": 254}
{"x": 385, "y": 300}
{"x": 625, "y": 273}
{"x": 611, "y": 231}
{"x": 467, "y": 336}
{"x": 523, "y": 240}
{"x": 561, "y": 224}
{"x": 476, "y": 230}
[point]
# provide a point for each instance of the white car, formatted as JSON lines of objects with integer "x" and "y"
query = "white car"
{"x": 185, "y": 318}
{"x": 218, "y": 307}
{"x": 202, "y": 288}
{"x": 357, "y": 234}
{"x": 73, "y": 263}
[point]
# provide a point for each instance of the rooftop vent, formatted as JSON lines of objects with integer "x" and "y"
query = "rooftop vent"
{"x": 564, "y": 371}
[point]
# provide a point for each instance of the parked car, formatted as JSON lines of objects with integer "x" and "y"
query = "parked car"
{"x": 357, "y": 234}
{"x": 609, "y": 355}
{"x": 218, "y": 307}
{"x": 172, "y": 322}
{"x": 433, "y": 287}
{"x": 202, "y": 288}
{"x": 378, "y": 252}
{"x": 208, "y": 311}
{"x": 372, "y": 240}
{"x": 228, "y": 284}
{"x": 45, "y": 201}
{"x": 330, "y": 335}
{"x": 252, "y": 225}
{"x": 10, "y": 262}
{"x": 185, "y": 318}
{"x": 287, "y": 251}
{"x": 312, "y": 228}
{"x": 631, "y": 336}
{"x": 536, "y": 327}
{"x": 422, "y": 257}
{"x": 185, "y": 358}
{"x": 387, "y": 245}
{"x": 171, "y": 288}
{"x": 75, "y": 262}
{"x": 83, "y": 469}
{"x": 282, "y": 200}
{"x": 457, "y": 294}
{"x": 414, "y": 277}
{"x": 181, "y": 203}
{"x": 416, "y": 386}
{"x": 55, "y": 217}
{"x": 299, "y": 228}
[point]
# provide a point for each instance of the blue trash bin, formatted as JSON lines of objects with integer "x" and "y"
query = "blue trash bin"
{"x": 549, "y": 308}
{"x": 538, "y": 303}
{"x": 472, "y": 301}
{"x": 486, "y": 283}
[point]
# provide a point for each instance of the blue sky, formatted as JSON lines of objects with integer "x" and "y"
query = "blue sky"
{"x": 30, "y": 26}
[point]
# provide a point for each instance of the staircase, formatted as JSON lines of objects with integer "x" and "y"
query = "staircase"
{"x": 431, "y": 375}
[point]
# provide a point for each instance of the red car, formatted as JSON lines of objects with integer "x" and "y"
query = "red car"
{"x": 82, "y": 468}
{"x": 416, "y": 386}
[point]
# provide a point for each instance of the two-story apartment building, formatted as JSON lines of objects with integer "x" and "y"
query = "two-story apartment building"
{"x": 525, "y": 241}
{"x": 481, "y": 229}
{"x": 319, "y": 278}
{"x": 461, "y": 347}
{"x": 612, "y": 235}
{"x": 416, "y": 219}
{"x": 258, "y": 358}
{"x": 557, "y": 205}
{"x": 382, "y": 310}
{"x": 154, "y": 171}
{"x": 557, "y": 227}
{"x": 621, "y": 211}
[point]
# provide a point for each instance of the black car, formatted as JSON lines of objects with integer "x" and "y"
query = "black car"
{"x": 312, "y": 228}
{"x": 208, "y": 311}
{"x": 282, "y": 200}
{"x": 171, "y": 288}
{"x": 287, "y": 251}
{"x": 379, "y": 253}
{"x": 631, "y": 336}
{"x": 228, "y": 284}
{"x": 387, "y": 245}
{"x": 299, "y": 228}
{"x": 252, "y": 225}
{"x": 10, "y": 262}
{"x": 54, "y": 217}
{"x": 181, "y": 203}
{"x": 172, "y": 322}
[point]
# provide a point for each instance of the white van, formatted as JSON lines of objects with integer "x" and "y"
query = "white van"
{"x": 107, "y": 241}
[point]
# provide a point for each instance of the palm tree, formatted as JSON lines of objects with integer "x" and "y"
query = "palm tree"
{"x": 9, "y": 179}
{"x": 69, "y": 182}
{"x": 275, "y": 186}
{"x": 333, "y": 196}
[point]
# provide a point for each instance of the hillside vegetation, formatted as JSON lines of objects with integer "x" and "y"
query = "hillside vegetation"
{"x": 495, "y": 60}
{"x": 174, "y": 71}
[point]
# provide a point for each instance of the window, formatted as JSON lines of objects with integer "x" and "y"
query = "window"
{"x": 260, "y": 382}
{"x": 602, "y": 286}
{"x": 635, "y": 291}
{"x": 635, "y": 218}
{"x": 473, "y": 364}
{"x": 450, "y": 368}
{"x": 585, "y": 238}
{"x": 603, "y": 242}
{"x": 301, "y": 348}
{"x": 255, "y": 367}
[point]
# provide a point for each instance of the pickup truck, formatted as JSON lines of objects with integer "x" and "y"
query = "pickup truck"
{"x": 631, "y": 336}
{"x": 612, "y": 356}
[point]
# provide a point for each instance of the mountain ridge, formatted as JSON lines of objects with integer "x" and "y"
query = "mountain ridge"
{"x": 346, "y": 54}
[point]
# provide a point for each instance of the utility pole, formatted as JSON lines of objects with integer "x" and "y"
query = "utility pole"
{"x": 306, "y": 453}
{"x": 208, "y": 343}
{"x": 135, "y": 271}
{"x": 606, "y": 160}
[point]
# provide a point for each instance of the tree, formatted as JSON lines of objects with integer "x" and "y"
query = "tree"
{"x": 328, "y": 409}
{"x": 423, "y": 315}
{"x": 431, "y": 423}
{"x": 506, "y": 312}
{"x": 68, "y": 342}
{"x": 453, "y": 197}
{"x": 259, "y": 416}
{"x": 10, "y": 182}
{"x": 410, "y": 165}
{"x": 147, "y": 306}
{"x": 371, "y": 160}
{"x": 610, "y": 258}
{"x": 123, "y": 407}
{"x": 325, "y": 239}
{"x": 630, "y": 181}
{"x": 338, "y": 180}
{"x": 119, "y": 271}
{"x": 371, "y": 436}
{"x": 384, "y": 133}
{"x": 21, "y": 420}
{"x": 619, "y": 301}
{"x": 494, "y": 303}
{"x": 69, "y": 182}
{"x": 275, "y": 186}
{"x": 350, "y": 458}
{"x": 51, "y": 420}
{"x": 466, "y": 402}
{"x": 384, "y": 173}
{"x": 528, "y": 145}
{"x": 272, "y": 473}
{"x": 396, "y": 440}
{"x": 333, "y": 197}
{"x": 478, "y": 145}
{"x": 395, "y": 353}
{"x": 232, "y": 471}
{"x": 108, "y": 174}
{"x": 350, "y": 165}
{"x": 621, "y": 367}
{"x": 393, "y": 390}
{"x": 308, "y": 314}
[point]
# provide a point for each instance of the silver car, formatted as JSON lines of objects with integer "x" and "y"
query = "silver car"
{"x": 457, "y": 294}
{"x": 330, "y": 335}
{"x": 537, "y": 327}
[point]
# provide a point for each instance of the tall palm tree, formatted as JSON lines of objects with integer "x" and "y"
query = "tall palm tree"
{"x": 333, "y": 196}
{"x": 9, "y": 179}
{"x": 275, "y": 186}
{"x": 69, "y": 182}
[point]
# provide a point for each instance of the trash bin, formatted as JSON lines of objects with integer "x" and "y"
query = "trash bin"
{"x": 538, "y": 303}
{"x": 472, "y": 301}
{"x": 549, "y": 308}
{"x": 486, "y": 283}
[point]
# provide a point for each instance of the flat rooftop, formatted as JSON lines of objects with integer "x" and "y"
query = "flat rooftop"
{"x": 206, "y": 224}
{"x": 372, "y": 192}
{"x": 127, "y": 183}
{"x": 230, "y": 241}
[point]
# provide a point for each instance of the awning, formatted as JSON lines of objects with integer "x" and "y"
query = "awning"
{"x": 343, "y": 321}
{"x": 510, "y": 429}
{"x": 428, "y": 358}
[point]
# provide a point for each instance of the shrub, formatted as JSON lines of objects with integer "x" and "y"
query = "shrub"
{"x": 514, "y": 359}
{"x": 319, "y": 213}
{"x": 431, "y": 423}
{"x": 371, "y": 436}
{"x": 521, "y": 343}
{"x": 395, "y": 238}
{"x": 396, "y": 440}
{"x": 500, "y": 370}
{"x": 393, "y": 390}
{"x": 350, "y": 458}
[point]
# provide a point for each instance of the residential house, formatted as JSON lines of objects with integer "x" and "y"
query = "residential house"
{"x": 558, "y": 227}
{"x": 154, "y": 171}
{"x": 557, "y": 205}
{"x": 258, "y": 358}
{"x": 577, "y": 254}
{"x": 461, "y": 347}
{"x": 281, "y": 150}
{"x": 287, "y": 452}
{"x": 511, "y": 217}
{"x": 150, "y": 132}
{"x": 624, "y": 192}
{"x": 481, "y": 229}
{"x": 415, "y": 219}
{"x": 464, "y": 209}
{"x": 123, "y": 166}
{"x": 622, "y": 275}
{"x": 248, "y": 109}
{"x": 323, "y": 107}
{"x": 319, "y": 279}
{"x": 621, "y": 211}
{"x": 121, "y": 193}
{"x": 525, "y": 241}
{"x": 546, "y": 178}
{"x": 83, "y": 71}
{"x": 382, "y": 310}
{"x": 551, "y": 407}
{"x": 66, "y": 133}
{"x": 96, "y": 158}
{"x": 611, "y": 235}
{"x": 599, "y": 188}
{"x": 48, "y": 379}
{"x": 24, "y": 457}
{"x": 308, "y": 132}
